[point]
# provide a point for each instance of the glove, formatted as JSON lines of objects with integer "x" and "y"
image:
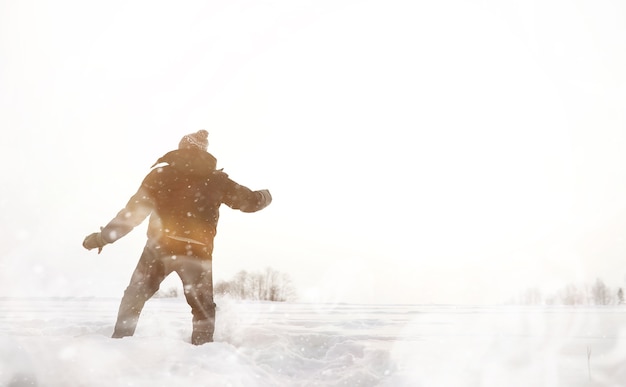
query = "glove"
{"x": 267, "y": 198}
{"x": 94, "y": 240}
{"x": 259, "y": 201}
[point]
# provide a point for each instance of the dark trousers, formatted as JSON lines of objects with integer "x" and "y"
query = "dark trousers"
{"x": 156, "y": 263}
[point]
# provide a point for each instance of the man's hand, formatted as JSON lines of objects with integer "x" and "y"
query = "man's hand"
{"x": 94, "y": 240}
{"x": 266, "y": 198}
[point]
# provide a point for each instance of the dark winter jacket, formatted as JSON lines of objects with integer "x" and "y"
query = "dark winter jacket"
{"x": 182, "y": 195}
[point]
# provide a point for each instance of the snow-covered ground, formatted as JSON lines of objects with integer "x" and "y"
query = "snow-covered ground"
{"x": 65, "y": 342}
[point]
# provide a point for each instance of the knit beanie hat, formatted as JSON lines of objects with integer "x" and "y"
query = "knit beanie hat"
{"x": 199, "y": 140}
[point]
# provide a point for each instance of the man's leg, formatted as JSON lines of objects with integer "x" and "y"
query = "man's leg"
{"x": 197, "y": 278}
{"x": 145, "y": 281}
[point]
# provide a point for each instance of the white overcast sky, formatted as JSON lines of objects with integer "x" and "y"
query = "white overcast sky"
{"x": 417, "y": 151}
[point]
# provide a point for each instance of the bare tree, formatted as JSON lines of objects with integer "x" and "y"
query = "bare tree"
{"x": 620, "y": 296}
{"x": 571, "y": 295}
{"x": 222, "y": 288}
{"x": 240, "y": 285}
{"x": 600, "y": 293}
{"x": 531, "y": 296}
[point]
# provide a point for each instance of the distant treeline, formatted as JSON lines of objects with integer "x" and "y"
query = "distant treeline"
{"x": 266, "y": 285}
{"x": 596, "y": 293}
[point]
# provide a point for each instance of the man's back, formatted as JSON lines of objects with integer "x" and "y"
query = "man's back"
{"x": 185, "y": 202}
{"x": 186, "y": 195}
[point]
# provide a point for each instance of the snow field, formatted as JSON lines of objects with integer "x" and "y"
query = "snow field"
{"x": 65, "y": 342}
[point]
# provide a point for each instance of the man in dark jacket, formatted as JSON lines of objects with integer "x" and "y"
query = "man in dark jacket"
{"x": 182, "y": 194}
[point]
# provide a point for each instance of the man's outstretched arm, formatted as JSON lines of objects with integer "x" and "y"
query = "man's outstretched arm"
{"x": 136, "y": 210}
{"x": 239, "y": 197}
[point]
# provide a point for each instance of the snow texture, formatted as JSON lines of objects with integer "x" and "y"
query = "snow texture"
{"x": 65, "y": 342}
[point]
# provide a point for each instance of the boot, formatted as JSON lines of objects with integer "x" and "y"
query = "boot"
{"x": 202, "y": 332}
{"x": 124, "y": 327}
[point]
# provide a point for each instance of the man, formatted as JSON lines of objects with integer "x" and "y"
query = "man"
{"x": 182, "y": 195}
